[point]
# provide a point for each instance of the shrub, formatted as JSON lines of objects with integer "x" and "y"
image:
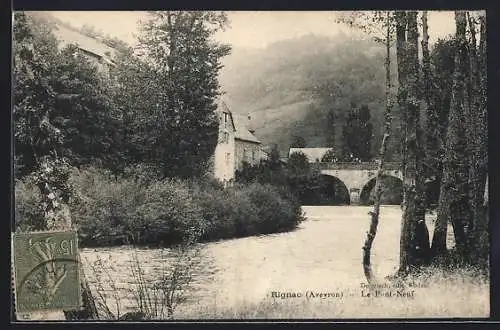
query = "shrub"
{"x": 142, "y": 174}
{"x": 246, "y": 213}
{"x": 205, "y": 183}
{"x": 277, "y": 209}
{"x": 246, "y": 210}
{"x": 228, "y": 213}
{"x": 132, "y": 208}
{"x": 217, "y": 213}
{"x": 103, "y": 206}
{"x": 167, "y": 215}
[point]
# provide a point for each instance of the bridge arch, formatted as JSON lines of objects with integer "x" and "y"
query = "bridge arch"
{"x": 392, "y": 190}
{"x": 327, "y": 190}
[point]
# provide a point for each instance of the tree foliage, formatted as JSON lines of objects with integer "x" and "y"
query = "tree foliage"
{"x": 329, "y": 157}
{"x": 158, "y": 109}
{"x": 34, "y": 57}
{"x": 298, "y": 163}
{"x": 180, "y": 49}
{"x": 307, "y": 83}
{"x": 298, "y": 142}
{"x": 357, "y": 134}
{"x": 62, "y": 104}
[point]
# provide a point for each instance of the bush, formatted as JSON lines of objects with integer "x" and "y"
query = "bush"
{"x": 168, "y": 214}
{"x": 110, "y": 211}
{"x": 138, "y": 208}
{"x": 278, "y": 209}
{"x": 103, "y": 206}
{"x": 227, "y": 213}
{"x": 205, "y": 183}
{"x": 217, "y": 213}
{"x": 244, "y": 210}
{"x": 246, "y": 213}
{"x": 142, "y": 174}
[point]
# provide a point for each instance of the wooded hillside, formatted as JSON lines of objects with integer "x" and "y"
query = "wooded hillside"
{"x": 292, "y": 87}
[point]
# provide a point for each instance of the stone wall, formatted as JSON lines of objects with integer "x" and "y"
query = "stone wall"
{"x": 250, "y": 152}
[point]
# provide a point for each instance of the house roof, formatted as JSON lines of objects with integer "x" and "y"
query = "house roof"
{"x": 222, "y": 106}
{"x": 312, "y": 154}
{"x": 91, "y": 45}
{"x": 242, "y": 131}
{"x": 239, "y": 123}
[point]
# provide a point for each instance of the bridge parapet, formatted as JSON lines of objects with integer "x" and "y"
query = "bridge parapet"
{"x": 370, "y": 166}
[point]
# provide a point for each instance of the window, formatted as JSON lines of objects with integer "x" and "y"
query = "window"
{"x": 226, "y": 119}
{"x": 228, "y": 157}
{"x": 245, "y": 155}
{"x": 253, "y": 155}
{"x": 224, "y": 137}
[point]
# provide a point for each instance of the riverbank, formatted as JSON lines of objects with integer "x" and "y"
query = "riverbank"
{"x": 455, "y": 295}
{"x": 145, "y": 210}
{"x": 236, "y": 278}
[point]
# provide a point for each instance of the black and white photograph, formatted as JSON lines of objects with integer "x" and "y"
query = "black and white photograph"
{"x": 250, "y": 165}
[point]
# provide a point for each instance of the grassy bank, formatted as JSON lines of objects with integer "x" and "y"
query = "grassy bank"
{"x": 437, "y": 294}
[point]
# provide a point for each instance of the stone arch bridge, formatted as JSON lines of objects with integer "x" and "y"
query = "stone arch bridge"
{"x": 355, "y": 176}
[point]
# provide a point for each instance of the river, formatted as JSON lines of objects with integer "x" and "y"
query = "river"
{"x": 322, "y": 255}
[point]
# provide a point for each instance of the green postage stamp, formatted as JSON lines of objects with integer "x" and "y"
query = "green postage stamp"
{"x": 46, "y": 271}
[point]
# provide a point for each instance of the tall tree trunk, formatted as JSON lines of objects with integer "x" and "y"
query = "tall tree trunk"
{"x": 414, "y": 238}
{"x": 433, "y": 143}
{"x": 478, "y": 128}
{"x": 432, "y": 131}
{"x": 421, "y": 242}
{"x": 375, "y": 214}
{"x": 483, "y": 89}
{"x": 453, "y": 200}
{"x": 58, "y": 218}
{"x": 472, "y": 124}
{"x": 401, "y": 23}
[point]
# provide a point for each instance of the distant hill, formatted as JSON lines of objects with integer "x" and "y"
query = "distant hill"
{"x": 289, "y": 87}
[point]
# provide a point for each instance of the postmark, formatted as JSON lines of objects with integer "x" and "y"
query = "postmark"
{"x": 46, "y": 272}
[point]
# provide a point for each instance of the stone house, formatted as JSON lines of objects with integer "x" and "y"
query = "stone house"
{"x": 223, "y": 160}
{"x": 236, "y": 144}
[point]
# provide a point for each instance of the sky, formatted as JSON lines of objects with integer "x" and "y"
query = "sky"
{"x": 254, "y": 29}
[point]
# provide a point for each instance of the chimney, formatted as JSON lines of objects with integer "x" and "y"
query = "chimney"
{"x": 249, "y": 125}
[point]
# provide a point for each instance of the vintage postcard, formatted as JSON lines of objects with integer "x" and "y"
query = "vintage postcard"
{"x": 272, "y": 165}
